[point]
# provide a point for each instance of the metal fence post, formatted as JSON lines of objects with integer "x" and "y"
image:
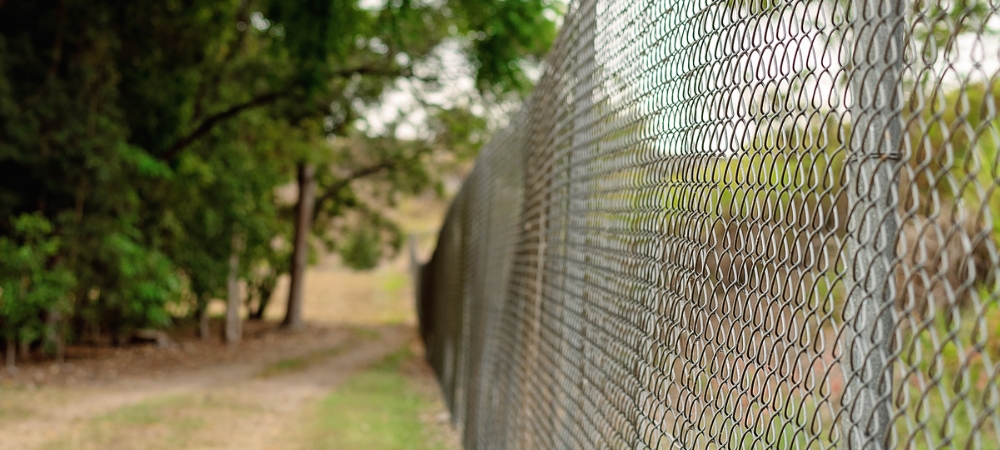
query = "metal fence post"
{"x": 876, "y": 133}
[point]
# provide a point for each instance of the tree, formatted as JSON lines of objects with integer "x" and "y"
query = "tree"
{"x": 111, "y": 128}
{"x": 384, "y": 48}
{"x": 32, "y": 283}
{"x": 152, "y": 136}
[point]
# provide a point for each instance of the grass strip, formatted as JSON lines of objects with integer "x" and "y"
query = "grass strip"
{"x": 377, "y": 409}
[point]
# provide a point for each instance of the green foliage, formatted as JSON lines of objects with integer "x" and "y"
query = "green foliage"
{"x": 32, "y": 281}
{"x": 461, "y": 131}
{"x": 939, "y": 22}
{"x": 955, "y": 123}
{"x": 151, "y": 283}
{"x": 504, "y": 32}
{"x": 361, "y": 249}
{"x": 151, "y": 135}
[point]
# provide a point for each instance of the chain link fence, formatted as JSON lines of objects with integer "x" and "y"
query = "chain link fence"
{"x": 735, "y": 224}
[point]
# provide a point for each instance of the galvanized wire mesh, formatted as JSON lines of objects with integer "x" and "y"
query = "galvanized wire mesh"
{"x": 734, "y": 224}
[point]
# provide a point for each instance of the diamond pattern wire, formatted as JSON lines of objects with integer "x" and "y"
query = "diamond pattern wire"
{"x": 739, "y": 224}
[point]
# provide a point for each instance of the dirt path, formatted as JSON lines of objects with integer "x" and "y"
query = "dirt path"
{"x": 282, "y": 398}
{"x": 246, "y": 409}
{"x": 260, "y": 394}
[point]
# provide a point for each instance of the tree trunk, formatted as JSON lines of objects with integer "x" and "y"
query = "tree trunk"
{"x": 54, "y": 334}
{"x": 11, "y": 367}
{"x": 300, "y": 252}
{"x": 234, "y": 328}
{"x": 204, "y": 328}
{"x": 25, "y": 349}
{"x": 263, "y": 293}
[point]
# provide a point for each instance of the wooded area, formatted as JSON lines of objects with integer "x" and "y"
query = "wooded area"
{"x": 143, "y": 145}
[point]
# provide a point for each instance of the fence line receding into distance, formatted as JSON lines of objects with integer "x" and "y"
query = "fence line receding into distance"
{"x": 738, "y": 224}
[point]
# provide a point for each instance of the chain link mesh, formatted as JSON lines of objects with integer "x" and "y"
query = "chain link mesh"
{"x": 734, "y": 224}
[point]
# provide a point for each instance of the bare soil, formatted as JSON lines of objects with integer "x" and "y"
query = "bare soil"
{"x": 209, "y": 395}
{"x": 231, "y": 396}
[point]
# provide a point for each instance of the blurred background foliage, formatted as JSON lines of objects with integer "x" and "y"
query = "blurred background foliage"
{"x": 141, "y": 141}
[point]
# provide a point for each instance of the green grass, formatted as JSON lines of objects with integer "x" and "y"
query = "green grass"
{"x": 20, "y": 402}
{"x": 13, "y": 404}
{"x": 377, "y": 409}
{"x": 300, "y": 363}
{"x": 395, "y": 282}
{"x": 391, "y": 288}
{"x": 949, "y": 394}
{"x": 952, "y": 386}
{"x": 285, "y": 366}
{"x": 366, "y": 333}
{"x": 169, "y": 422}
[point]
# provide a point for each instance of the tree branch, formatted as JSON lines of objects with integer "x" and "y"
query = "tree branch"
{"x": 217, "y": 118}
{"x": 265, "y": 99}
{"x": 365, "y": 172}
{"x": 332, "y": 191}
{"x": 366, "y": 70}
{"x": 378, "y": 71}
